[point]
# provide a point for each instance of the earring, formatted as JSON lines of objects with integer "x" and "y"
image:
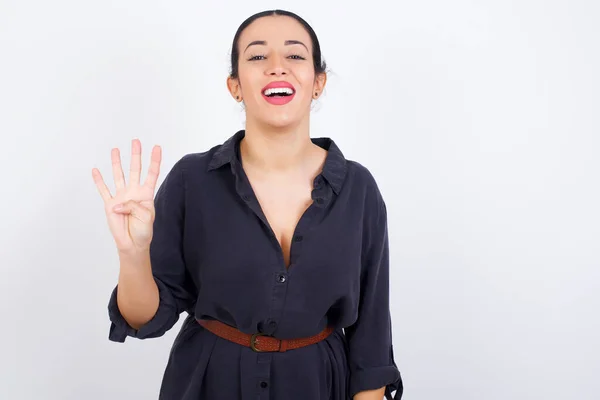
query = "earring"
{"x": 316, "y": 94}
{"x": 237, "y": 97}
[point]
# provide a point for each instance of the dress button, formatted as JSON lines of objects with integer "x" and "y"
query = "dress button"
{"x": 281, "y": 278}
{"x": 320, "y": 200}
{"x": 264, "y": 384}
{"x": 272, "y": 324}
{"x": 298, "y": 238}
{"x": 246, "y": 197}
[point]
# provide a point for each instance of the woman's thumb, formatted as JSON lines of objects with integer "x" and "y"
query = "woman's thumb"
{"x": 135, "y": 209}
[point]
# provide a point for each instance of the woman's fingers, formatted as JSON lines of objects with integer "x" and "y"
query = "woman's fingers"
{"x": 135, "y": 168}
{"x": 117, "y": 170}
{"x": 102, "y": 188}
{"x": 154, "y": 168}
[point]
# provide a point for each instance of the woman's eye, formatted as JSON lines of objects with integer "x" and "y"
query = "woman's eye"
{"x": 260, "y": 57}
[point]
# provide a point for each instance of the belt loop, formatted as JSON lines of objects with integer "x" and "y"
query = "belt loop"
{"x": 283, "y": 345}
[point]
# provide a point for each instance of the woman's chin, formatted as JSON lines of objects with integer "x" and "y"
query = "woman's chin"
{"x": 280, "y": 121}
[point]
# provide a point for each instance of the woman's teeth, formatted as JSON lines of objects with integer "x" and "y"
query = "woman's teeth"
{"x": 278, "y": 92}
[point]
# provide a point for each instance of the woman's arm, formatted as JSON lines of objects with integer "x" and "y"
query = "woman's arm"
{"x": 137, "y": 296}
{"x": 370, "y": 394}
{"x": 370, "y": 350}
{"x": 153, "y": 288}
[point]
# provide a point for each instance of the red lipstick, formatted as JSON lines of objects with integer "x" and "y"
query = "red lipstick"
{"x": 278, "y": 97}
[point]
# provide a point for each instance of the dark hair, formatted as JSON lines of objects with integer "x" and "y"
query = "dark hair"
{"x": 318, "y": 62}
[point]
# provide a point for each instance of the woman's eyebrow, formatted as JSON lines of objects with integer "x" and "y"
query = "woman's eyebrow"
{"x": 264, "y": 43}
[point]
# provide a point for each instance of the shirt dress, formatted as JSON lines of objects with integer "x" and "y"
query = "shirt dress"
{"x": 215, "y": 256}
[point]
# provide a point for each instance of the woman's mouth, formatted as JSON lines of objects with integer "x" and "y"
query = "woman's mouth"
{"x": 278, "y": 94}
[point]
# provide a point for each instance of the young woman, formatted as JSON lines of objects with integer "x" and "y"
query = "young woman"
{"x": 273, "y": 243}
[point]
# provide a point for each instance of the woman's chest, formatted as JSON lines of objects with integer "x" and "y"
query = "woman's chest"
{"x": 243, "y": 239}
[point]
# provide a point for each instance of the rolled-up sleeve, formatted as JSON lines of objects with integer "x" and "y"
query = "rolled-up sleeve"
{"x": 371, "y": 355}
{"x": 176, "y": 289}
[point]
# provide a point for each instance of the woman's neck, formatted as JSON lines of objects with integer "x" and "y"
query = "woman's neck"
{"x": 276, "y": 150}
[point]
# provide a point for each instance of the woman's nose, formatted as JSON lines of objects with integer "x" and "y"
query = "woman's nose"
{"x": 277, "y": 71}
{"x": 276, "y": 67}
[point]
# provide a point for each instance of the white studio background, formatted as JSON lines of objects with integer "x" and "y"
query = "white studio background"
{"x": 479, "y": 120}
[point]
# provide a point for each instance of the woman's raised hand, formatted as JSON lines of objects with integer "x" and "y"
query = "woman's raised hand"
{"x": 130, "y": 212}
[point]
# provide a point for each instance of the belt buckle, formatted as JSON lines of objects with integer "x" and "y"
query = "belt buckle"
{"x": 253, "y": 342}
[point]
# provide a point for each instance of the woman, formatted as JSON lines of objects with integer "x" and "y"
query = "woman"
{"x": 273, "y": 243}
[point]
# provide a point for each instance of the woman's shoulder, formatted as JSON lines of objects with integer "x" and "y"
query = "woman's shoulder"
{"x": 197, "y": 161}
{"x": 360, "y": 173}
{"x": 212, "y": 159}
{"x": 188, "y": 169}
{"x": 361, "y": 178}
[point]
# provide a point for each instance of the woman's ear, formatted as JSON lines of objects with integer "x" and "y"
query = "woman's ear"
{"x": 319, "y": 86}
{"x": 233, "y": 85}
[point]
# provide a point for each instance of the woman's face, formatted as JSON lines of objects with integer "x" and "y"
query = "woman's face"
{"x": 276, "y": 78}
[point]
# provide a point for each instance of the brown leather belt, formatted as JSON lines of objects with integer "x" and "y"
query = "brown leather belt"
{"x": 259, "y": 342}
